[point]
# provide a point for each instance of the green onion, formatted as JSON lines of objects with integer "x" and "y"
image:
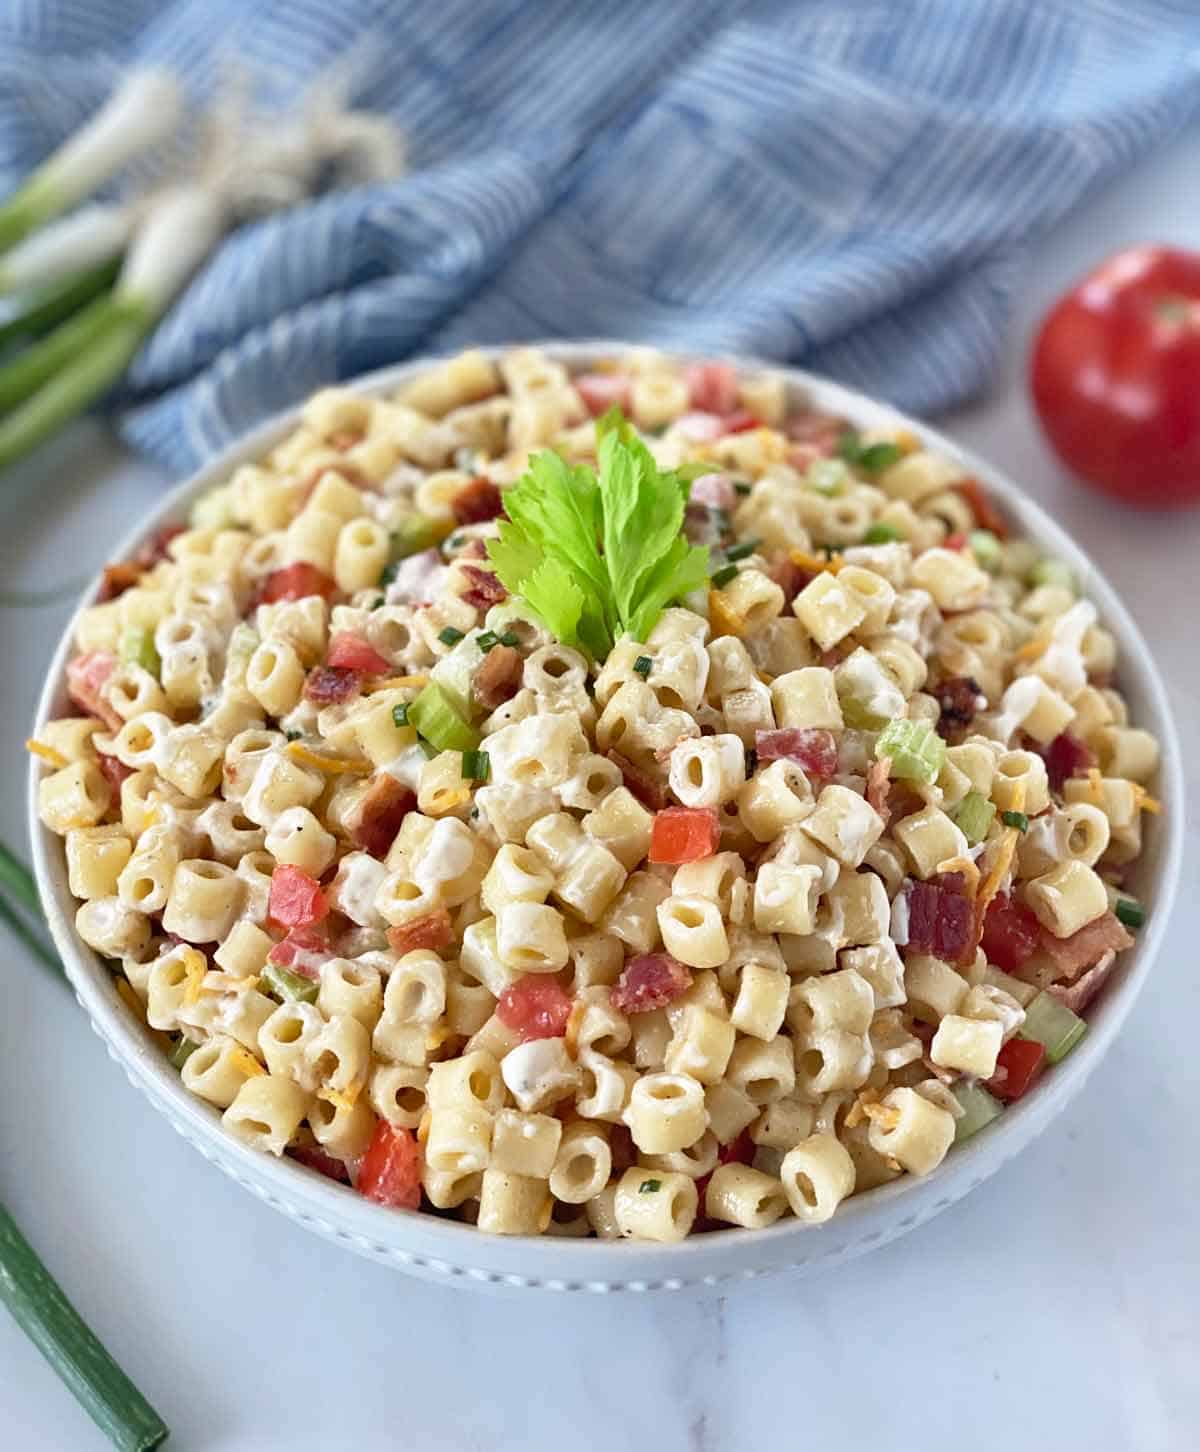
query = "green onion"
{"x": 973, "y": 816}
{"x": 476, "y": 766}
{"x": 1015, "y": 819}
{"x": 32, "y": 940}
{"x": 881, "y": 534}
{"x": 978, "y": 1108}
{"x": 918, "y": 753}
{"x": 54, "y": 305}
{"x": 723, "y": 576}
{"x": 986, "y": 549}
{"x": 182, "y": 1051}
{"x": 742, "y": 488}
{"x": 439, "y": 723}
{"x": 828, "y": 476}
{"x": 450, "y": 636}
{"x": 1130, "y": 912}
{"x": 510, "y": 638}
{"x": 40, "y": 362}
{"x": 55, "y": 1327}
{"x": 294, "y": 735}
{"x": 648, "y": 1187}
{"x": 400, "y": 714}
{"x": 875, "y": 458}
{"x": 17, "y": 880}
{"x": 1051, "y": 572}
{"x": 751, "y": 762}
{"x": 741, "y": 551}
{"x": 137, "y": 648}
{"x": 1049, "y": 1022}
{"x": 486, "y": 640}
{"x": 642, "y": 666}
{"x": 289, "y": 987}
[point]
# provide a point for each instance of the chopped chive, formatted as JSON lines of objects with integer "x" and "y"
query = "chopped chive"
{"x": 400, "y": 714}
{"x": 289, "y": 987}
{"x": 877, "y": 457}
{"x": 741, "y": 551}
{"x": 476, "y": 766}
{"x": 182, "y": 1052}
{"x": 648, "y": 1187}
{"x": 723, "y": 576}
{"x": 510, "y": 638}
{"x": 381, "y": 601}
{"x": 293, "y": 735}
{"x": 486, "y": 640}
{"x": 642, "y": 666}
{"x": 742, "y": 488}
{"x": 881, "y": 534}
{"x": 1019, "y": 820}
{"x": 751, "y": 762}
{"x": 450, "y": 636}
{"x": 1130, "y": 912}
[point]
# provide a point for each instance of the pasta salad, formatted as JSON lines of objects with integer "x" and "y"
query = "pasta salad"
{"x": 622, "y": 804}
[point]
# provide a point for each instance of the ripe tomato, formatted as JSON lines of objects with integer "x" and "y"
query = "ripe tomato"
{"x": 1114, "y": 376}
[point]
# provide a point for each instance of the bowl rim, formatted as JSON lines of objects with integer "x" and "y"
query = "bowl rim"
{"x": 445, "y": 1249}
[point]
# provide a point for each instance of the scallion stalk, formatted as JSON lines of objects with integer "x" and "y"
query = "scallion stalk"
{"x": 53, "y": 305}
{"x": 32, "y": 940}
{"x": 86, "y": 238}
{"x": 40, "y": 362}
{"x": 17, "y": 881}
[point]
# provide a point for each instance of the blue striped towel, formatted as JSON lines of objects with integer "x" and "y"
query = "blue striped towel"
{"x": 855, "y": 184}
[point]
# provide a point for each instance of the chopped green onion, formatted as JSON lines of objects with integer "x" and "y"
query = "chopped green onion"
{"x": 476, "y": 766}
{"x": 450, "y": 636}
{"x": 986, "y": 549}
{"x": 17, "y": 880}
{"x": 137, "y": 648}
{"x": 1130, "y": 912}
{"x": 648, "y": 1187}
{"x": 875, "y": 458}
{"x": 1019, "y": 820}
{"x": 828, "y": 476}
{"x": 723, "y": 576}
{"x": 742, "y": 488}
{"x": 182, "y": 1052}
{"x": 1052, "y": 572}
{"x": 642, "y": 666}
{"x": 58, "y": 1331}
{"x": 376, "y": 604}
{"x": 881, "y": 533}
{"x": 741, "y": 551}
{"x": 978, "y": 1108}
{"x": 973, "y": 816}
{"x": 400, "y": 714}
{"x": 289, "y": 987}
{"x": 1049, "y": 1022}
{"x": 486, "y": 639}
{"x": 510, "y": 638}
{"x": 293, "y": 735}
{"x": 751, "y": 762}
{"x": 918, "y": 753}
{"x": 439, "y": 723}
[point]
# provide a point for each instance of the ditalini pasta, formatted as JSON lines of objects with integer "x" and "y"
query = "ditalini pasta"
{"x": 623, "y": 804}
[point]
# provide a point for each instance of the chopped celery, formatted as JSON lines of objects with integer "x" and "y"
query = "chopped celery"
{"x": 918, "y": 753}
{"x": 1049, "y": 1022}
{"x": 828, "y": 476}
{"x": 182, "y": 1052}
{"x": 881, "y": 533}
{"x": 137, "y": 648}
{"x": 1130, "y": 912}
{"x": 978, "y": 1108}
{"x": 289, "y": 987}
{"x": 986, "y": 549}
{"x": 973, "y": 816}
{"x": 1049, "y": 571}
{"x": 439, "y": 723}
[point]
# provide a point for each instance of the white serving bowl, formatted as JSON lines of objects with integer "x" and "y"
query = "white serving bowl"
{"x": 457, "y": 1254}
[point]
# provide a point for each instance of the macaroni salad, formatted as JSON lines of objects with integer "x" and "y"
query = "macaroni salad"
{"x": 693, "y": 826}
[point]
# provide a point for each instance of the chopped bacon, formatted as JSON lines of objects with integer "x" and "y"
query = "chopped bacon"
{"x": 791, "y": 578}
{"x": 435, "y": 931}
{"x": 959, "y": 698}
{"x": 117, "y": 579}
{"x": 383, "y": 808}
{"x": 940, "y": 919}
{"x": 812, "y": 747}
{"x": 536, "y": 1006}
{"x": 684, "y": 834}
{"x": 1081, "y": 950}
{"x": 714, "y": 490}
{"x": 624, "y": 1151}
{"x": 313, "y": 1157}
{"x": 477, "y": 502}
{"x": 712, "y": 387}
{"x": 649, "y": 981}
{"x": 1085, "y": 988}
{"x": 295, "y": 582}
{"x": 498, "y": 678}
{"x": 1066, "y": 756}
{"x": 646, "y": 788}
{"x": 600, "y": 391}
{"x": 304, "y": 950}
{"x": 351, "y": 652}
{"x": 114, "y": 772}
{"x": 879, "y": 783}
{"x": 987, "y": 516}
{"x": 485, "y": 591}
{"x": 156, "y": 548}
{"x": 390, "y": 1173}
{"x": 329, "y": 685}
{"x": 1011, "y": 933}
{"x": 740, "y": 421}
{"x": 86, "y": 677}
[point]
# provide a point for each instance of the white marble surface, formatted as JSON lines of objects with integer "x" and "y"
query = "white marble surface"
{"x": 1056, "y": 1307}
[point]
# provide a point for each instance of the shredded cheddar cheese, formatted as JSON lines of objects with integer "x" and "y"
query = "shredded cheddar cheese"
{"x": 196, "y": 967}
{"x": 1144, "y": 802}
{"x": 331, "y": 765}
{"x": 47, "y": 753}
{"x": 887, "y": 1116}
{"x": 723, "y": 619}
{"x": 545, "y": 1214}
{"x": 1006, "y": 849}
{"x": 341, "y": 1099}
{"x": 423, "y": 1127}
{"x": 571, "y": 1032}
{"x": 244, "y": 1060}
{"x": 832, "y": 563}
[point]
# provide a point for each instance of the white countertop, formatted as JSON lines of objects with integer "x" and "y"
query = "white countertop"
{"x": 1055, "y": 1307}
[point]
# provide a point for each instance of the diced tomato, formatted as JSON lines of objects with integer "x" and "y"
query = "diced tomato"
{"x": 712, "y": 387}
{"x": 313, "y": 1157}
{"x": 86, "y": 678}
{"x": 383, "y": 809}
{"x": 813, "y": 748}
{"x": 941, "y": 919}
{"x": 955, "y": 541}
{"x": 351, "y": 652}
{"x": 390, "y": 1173}
{"x": 535, "y": 1007}
{"x": 740, "y": 421}
{"x": 304, "y": 951}
{"x": 328, "y": 685}
{"x": 1072, "y": 955}
{"x": 600, "y": 391}
{"x": 1018, "y": 1065}
{"x": 987, "y": 516}
{"x": 115, "y": 772}
{"x": 649, "y": 981}
{"x": 739, "y": 1151}
{"x": 1066, "y": 756}
{"x": 435, "y": 931}
{"x": 295, "y": 582}
{"x": 297, "y": 900}
{"x": 684, "y": 834}
{"x": 1011, "y": 933}
{"x": 477, "y": 502}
